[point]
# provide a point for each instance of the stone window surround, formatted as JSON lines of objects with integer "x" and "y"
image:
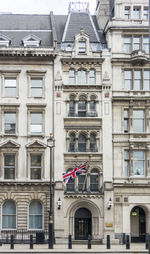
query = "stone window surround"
{"x": 39, "y": 108}
{"x": 87, "y": 70}
{"x": 9, "y": 108}
{"x": 87, "y": 134}
{"x": 39, "y": 151}
{"x": 82, "y": 97}
{"x": 10, "y": 150}
{"x": 131, "y": 149}
{"x": 131, "y": 7}
{"x": 36, "y": 74}
{"x": 132, "y": 78}
{"x": 130, "y": 118}
{"x": 100, "y": 181}
{"x": 132, "y": 36}
{"x": 10, "y": 74}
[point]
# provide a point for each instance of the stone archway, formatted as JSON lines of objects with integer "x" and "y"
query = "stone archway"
{"x": 82, "y": 224}
{"x": 138, "y": 224}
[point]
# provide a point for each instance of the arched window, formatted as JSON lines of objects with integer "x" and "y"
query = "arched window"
{"x": 92, "y": 143}
{"x": 82, "y": 108}
{"x": 35, "y": 215}
{"x": 72, "y": 143}
{"x": 70, "y": 186}
{"x": 94, "y": 180}
{"x": 92, "y": 77}
{"x": 9, "y": 215}
{"x": 72, "y": 108}
{"x": 82, "y": 143}
{"x": 71, "y": 76}
{"x": 81, "y": 77}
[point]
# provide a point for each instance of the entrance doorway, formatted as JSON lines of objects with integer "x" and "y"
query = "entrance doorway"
{"x": 83, "y": 224}
{"x": 138, "y": 224}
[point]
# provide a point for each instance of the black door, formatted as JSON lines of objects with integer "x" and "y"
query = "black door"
{"x": 138, "y": 220}
{"x": 83, "y": 222}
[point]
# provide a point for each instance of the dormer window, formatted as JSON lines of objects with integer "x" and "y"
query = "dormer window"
{"x": 4, "y": 41}
{"x": 31, "y": 41}
{"x": 82, "y": 47}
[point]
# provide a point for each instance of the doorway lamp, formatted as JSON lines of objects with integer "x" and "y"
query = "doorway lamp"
{"x": 109, "y": 204}
{"x": 51, "y": 145}
{"x": 59, "y": 203}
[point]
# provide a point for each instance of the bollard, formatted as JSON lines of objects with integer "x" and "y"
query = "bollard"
{"x": 12, "y": 242}
{"x": 70, "y": 242}
{"x": 108, "y": 241}
{"x": 148, "y": 245}
{"x": 127, "y": 242}
{"x": 123, "y": 238}
{"x": 146, "y": 241}
{"x": 31, "y": 241}
{"x": 89, "y": 241}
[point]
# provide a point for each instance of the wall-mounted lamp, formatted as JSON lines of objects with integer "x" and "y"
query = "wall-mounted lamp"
{"x": 59, "y": 203}
{"x": 109, "y": 204}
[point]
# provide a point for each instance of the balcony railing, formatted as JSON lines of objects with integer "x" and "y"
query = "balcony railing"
{"x": 83, "y": 114}
{"x": 86, "y": 150}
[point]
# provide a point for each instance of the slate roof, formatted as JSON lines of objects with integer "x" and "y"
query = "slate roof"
{"x": 17, "y": 26}
{"x": 76, "y": 21}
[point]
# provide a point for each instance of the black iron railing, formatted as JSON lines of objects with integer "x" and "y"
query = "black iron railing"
{"x": 23, "y": 236}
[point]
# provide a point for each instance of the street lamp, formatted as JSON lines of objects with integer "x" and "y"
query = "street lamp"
{"x": 51, "y": 144}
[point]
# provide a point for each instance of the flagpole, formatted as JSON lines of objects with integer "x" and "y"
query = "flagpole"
{"x": 83, "y": 187}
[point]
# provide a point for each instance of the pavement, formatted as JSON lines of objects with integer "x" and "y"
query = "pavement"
{"x": 135, "y": 248}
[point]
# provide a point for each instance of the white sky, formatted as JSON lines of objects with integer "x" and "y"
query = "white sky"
{"x": 40, "y": 6}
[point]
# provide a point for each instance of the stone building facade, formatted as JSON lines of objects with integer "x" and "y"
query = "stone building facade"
{"x": 85, "y": 78}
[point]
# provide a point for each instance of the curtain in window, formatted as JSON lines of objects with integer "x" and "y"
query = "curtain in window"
{"x": 9, "y": 215}
{"x": 35, "y": 215}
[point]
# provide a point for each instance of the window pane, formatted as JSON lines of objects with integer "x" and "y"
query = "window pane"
{"x": 82, "y": 47}
{"x": 127, "y": 44}
{"x": 72, "y": 77}
{"x": 137, "y": 80}
{"x": 138, "y": 121}
{"x": 9, "y": 166}
{"x": 71, "y": 108}
{"x": 9, "y": 215}
{"x": 82, "y": 143}
{"x": 82, "y": 108}
{"x": 81, "y": 181}
{"x": 35, "y": 167}
{"x": 145, "y": 13}
{"x": 136, "y": 43}
{"x": 136, "y": 12}
{"x": 128, "y": 80}
{"x": 92, "y": 78}
{"x": 146, "y": 80}
{"x": 36, "y": 123}
{"x": 94, "y": 180}
{"x": 10, "y": 86}
{"x": 36, "y": 86}
{"x": 146, "y": 44}
{"x": 35, "y": 215}
{"x": 81, "y": 77}
{"x": 71, "y": 184}
{"x": 139, "y": 163}
{"x": 127, "y": 12}
{"x": 10, "y": 123}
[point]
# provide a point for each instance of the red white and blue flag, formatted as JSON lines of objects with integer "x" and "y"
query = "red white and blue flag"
{"x": 74, "y": 172}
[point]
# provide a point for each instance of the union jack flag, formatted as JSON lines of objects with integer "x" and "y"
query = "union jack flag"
{"x": 74, "y": 172}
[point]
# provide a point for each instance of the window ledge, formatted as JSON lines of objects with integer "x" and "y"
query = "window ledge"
{"x": 36, "y": 135}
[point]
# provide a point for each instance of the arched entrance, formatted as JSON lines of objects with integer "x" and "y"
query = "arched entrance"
{"x": 83, "y": 224}
{"x": 138, "y": 224}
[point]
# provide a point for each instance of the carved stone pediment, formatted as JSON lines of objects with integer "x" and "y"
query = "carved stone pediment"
{"x": 9, "y": 144}
{"x": 36, "y": 144}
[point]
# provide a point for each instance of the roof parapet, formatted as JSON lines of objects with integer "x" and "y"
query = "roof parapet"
{"x": 78, "y": 7}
